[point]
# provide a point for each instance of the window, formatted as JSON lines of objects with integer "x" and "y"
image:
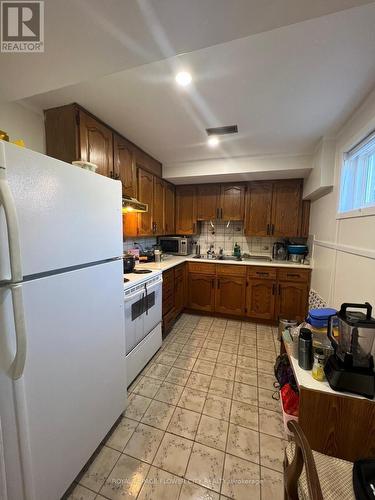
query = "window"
{"x": 357, "y": 189}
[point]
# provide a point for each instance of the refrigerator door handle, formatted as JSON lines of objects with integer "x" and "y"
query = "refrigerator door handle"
{"x": 18, "y": 364}
{"x": 7, "y": 202}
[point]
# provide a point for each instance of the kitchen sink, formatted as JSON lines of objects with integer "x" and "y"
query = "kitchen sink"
{"x": 265, "y": 258}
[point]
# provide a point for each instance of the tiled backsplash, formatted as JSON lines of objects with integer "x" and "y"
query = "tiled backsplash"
{"x": 225, "y": 236}
{"x": 145, "y": 242}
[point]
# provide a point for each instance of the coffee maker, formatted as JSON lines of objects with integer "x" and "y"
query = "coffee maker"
{"x": 351, "y": 367}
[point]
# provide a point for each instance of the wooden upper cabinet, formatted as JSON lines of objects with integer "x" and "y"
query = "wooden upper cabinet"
{"x": 258, "y": 209}
{"x": 186, "y": 210}
{"x": 208, "y": 201}
{"x": 305, "y": 219}
{"x": 96, "y": 144}
{"x": 232, "y": 202}
{"x": 169, "y": 208}
{"x": 274, "y": 208}
{"x": 158, "y": 207}
{"x": 147, "y": 162}
{"x": 286, "y": 208}
{"x": 124, "y": 165}
{"x": 145, "y": 195}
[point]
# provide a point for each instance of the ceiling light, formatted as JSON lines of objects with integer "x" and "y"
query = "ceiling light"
{"x": 213, "y": 141}
{"x": 183, "y": 78}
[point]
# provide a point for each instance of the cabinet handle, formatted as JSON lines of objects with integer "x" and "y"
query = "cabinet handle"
{"x": 262, "y": 274}
{"x": 279, "y": 289}
{"x": 273, "y": 288}
{"x": 268, "y": 229}
{"x": 111, "y": 174}
{"x": 213, "y": 283}
{"x": 291, "y": 275}
{"x": 218, "y": 283}
{"x": 221, "y": 213}
{"x": 194, "y": 225}
{"x": 272, "y": 228}
{"x": 217, "y": 213}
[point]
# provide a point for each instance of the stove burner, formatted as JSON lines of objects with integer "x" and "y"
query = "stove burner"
{"x": 126, "y": 280}
{"x": 142, "y": 271}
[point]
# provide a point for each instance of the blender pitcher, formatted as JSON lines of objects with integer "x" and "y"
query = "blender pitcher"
{"x": 356, "y": 334}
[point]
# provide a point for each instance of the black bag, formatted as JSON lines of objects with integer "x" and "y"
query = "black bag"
{"x": 284, "y": 374}
{"x": 364, "y": 479}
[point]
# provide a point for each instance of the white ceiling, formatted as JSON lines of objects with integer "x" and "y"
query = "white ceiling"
{"x": 86, "y": 39}
{"x": 284, "y": 88}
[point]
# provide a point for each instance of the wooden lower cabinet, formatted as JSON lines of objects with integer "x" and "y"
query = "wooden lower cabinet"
{"x": 260, "y": 299}
{"x": 230, "y": 295}
{"x": 173, "y": 296}
{"x": 201, "y": 291}
{"x": 292, "y": 300}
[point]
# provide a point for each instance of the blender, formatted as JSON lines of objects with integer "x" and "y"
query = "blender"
{"x": 351, "y": 367}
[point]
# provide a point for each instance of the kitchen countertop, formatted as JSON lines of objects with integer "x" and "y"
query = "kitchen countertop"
{"x": 170, "y": 261}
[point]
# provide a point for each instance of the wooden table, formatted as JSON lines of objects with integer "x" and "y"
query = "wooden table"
{"x": 338, "y": 424}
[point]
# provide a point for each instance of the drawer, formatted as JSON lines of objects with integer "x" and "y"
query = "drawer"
{"x": 292, "y": 274}
{"x": 262, "y": 272}
{"x": 179, "y": 271}
{"x": 168, "y": 322}
{"x": 202, "y": 268}
{"x": 168, "y": 279}
{"x": 231, "y": 270}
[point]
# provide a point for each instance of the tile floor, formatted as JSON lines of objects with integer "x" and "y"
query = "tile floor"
{"x": 200, "y": 423}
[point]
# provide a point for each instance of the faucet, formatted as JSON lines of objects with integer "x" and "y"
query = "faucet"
{"x": 139, "y": 245}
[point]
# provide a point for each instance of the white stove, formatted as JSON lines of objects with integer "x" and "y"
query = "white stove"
{"x": 143, "y": 316}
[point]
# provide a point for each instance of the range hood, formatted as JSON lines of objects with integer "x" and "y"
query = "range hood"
{"x": 130, "y": 205}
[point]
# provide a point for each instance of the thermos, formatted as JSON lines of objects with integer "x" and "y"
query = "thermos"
{"x": 305, "y": 357}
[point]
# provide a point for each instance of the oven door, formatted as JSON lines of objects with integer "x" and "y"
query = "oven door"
{"x": 153, "y": 306}
{"x": 134, "y": 327}
{"x": 170, "y": 245}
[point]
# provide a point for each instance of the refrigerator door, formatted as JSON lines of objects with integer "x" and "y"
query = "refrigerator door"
{"x": 73, "y": 387}
{"x": 59, "y": 209}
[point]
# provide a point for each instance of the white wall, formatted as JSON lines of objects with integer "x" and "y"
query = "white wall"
{"x": 344, "y": 249}
{"x": 22, "y": 123}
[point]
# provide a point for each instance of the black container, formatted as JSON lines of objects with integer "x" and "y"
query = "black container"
{"x": 305, "y": 353}
{"x": 129, "y": 263}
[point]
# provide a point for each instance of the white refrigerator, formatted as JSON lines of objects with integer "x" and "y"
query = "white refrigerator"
{"x": 62, "y": 341}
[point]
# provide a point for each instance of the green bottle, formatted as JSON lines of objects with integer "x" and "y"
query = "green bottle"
{"x": 237, "y": 250}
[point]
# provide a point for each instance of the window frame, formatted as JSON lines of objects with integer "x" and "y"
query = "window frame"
{"x": 357, "y": 212}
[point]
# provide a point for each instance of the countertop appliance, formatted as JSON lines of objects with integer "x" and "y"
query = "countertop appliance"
{"x": 296, "y": 253}
{"x": 129, "y": 263}
{"x": 176, "y": 245}
{"x": 62, "y": 370}
{"x": 143, "y": 315}
{"x": 279, "y": 251}
{"x": 351, "y": 367}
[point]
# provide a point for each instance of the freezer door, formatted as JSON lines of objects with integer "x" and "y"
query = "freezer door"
{"x": 67, "y": 216}
{"x": 73, "y": 387}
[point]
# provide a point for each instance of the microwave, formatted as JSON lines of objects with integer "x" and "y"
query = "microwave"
{"x": 176, "y": 245}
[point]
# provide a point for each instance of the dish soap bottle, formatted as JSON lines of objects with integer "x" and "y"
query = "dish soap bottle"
{"x": 237, "y": 250}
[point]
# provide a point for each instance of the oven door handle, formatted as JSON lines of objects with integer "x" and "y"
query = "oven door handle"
{"x": 146, "y": 299}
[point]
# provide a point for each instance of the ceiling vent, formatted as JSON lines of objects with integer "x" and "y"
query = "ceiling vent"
{"x": 228, "y": 129}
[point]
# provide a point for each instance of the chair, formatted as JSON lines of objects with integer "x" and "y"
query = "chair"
{"x": 309, "y": 475}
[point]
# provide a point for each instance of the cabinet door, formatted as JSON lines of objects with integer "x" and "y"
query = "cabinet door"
{"x": 260, "y": 298}
{"x": 124, "y": 165}
{"x": 179, "y": 292}
{"x": 96, "y": 144}
{"x": 169, "y": 208}
{"x": 232, "y": 202}
{"x": 286, "y": 208}
{"x": 292, "y": 300}
{"x": 305, "y": 219}
{"x": 258, "y": 209}
{"x": 201, "y": 292}
{"x": 208, "y": 199}
{"x": 145, "y": 195}
{"x": 186, "y": 210}
{"x": 230, "y": 295}
{"x": 158, "y": 209}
